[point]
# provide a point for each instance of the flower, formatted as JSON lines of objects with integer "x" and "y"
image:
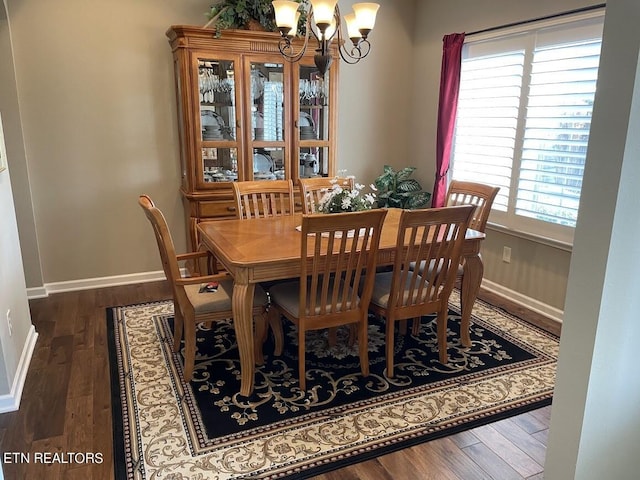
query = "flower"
{"x": 339, "y": 199}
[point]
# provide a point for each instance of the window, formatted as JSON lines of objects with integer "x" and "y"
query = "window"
{"x": 523, "y": 120}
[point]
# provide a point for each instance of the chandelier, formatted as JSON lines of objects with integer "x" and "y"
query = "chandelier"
{"x": 324, "y": 24}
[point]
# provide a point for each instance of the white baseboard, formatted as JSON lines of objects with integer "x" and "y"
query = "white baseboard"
{"x": 548, "y": 311}
{"x": 11, "y": 401}
{"x": 88, "y": 283}
{"x": 36, "y": 292}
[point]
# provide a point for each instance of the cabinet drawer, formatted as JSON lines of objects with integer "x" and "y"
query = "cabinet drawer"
{"x": 217, "y": 209}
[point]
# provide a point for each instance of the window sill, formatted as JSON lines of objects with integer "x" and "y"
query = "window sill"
{"x": 567, "y": 247}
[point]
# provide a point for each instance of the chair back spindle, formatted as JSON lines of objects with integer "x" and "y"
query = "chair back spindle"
{"x": 329, "y": 286}
{"x": 263, "y": 198}
{"x": 471, "y": 193}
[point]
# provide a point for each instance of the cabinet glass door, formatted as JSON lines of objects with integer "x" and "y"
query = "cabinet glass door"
{"x": 218, "y": 120}
{"x": 267, "y": 137}
{"x": 313, "y": 122}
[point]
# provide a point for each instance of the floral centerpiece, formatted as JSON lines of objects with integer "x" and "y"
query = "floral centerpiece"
{"x": 339, "y": 198}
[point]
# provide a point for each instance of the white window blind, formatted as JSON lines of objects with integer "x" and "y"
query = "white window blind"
{"x": 524, "y": 114}
{"x": 486, "y": 124}
{"x": 562, "y": 87}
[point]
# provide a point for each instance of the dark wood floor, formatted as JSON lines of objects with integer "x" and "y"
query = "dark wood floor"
{"x": 66, "y": 406}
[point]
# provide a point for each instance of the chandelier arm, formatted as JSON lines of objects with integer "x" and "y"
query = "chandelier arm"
{"x": 287, "y": 51}
{"x": 356, "y": 52}
{"x": 309, "y": 27}
{"x": 285, "y": 45}
{"x": 338, "y": 24}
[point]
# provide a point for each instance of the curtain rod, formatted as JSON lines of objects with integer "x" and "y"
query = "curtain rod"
{"x": 515, "y": 24}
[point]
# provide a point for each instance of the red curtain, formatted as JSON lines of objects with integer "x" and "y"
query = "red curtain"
{"x": 447, "y": 106}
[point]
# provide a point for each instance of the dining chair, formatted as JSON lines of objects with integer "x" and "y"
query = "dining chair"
{"x": 469, "y": 193}
{"x": 434, "y": 237}
{"x": 472, "y": 193}
{"x": 313, "y": 189}
{"x": 260, "y": 199}
{"x": 338, "y": 253}
{"x": 193, "y": 305}
{"x": 263, "y": 198}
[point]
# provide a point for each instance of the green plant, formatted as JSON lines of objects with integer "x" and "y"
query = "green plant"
{"x": 238, "y": 14}
{"x": 396, "y": 189}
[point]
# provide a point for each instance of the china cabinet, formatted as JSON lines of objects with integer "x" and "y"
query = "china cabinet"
{"x": 246, "y": 113}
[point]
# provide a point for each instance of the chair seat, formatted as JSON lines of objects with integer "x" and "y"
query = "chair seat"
{"x": 287, "y": 296}
{"x": 220, "y": 300}
{"x": 412, "y": 266}
{"x": 382, "y": 289}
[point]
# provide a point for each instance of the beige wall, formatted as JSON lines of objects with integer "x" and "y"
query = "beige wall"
{"x": 96, "y": 97}
{"x": 536, "y": 270}
{"x": 16, "y": 154}
{"x": 375, "y": 107}
{"x": 96, "y": 92}
{"x": 13, "y": 294}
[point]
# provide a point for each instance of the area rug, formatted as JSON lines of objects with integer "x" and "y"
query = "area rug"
{"x": 166, "y": 428}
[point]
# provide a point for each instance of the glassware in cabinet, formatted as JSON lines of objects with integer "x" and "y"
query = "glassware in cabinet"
{"x": 268, "y": 111}
{"x": 314, "y": 100}
{"x": 218, "y": 120}
{"x": 315, "y": 122}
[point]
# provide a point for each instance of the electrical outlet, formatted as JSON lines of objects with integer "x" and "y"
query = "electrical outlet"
{"x": 506, "y": 254}
{"x": 9, "y": 324}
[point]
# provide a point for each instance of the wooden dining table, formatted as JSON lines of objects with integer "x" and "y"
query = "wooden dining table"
{"x": 266, "y": 249}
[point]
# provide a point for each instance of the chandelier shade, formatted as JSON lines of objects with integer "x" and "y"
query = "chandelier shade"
{"x": 323, "y": 11}
{"x": 323, "y": 26}
{"x": 285, "y": 14}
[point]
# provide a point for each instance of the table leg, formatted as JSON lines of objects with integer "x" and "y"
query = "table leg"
{"x": 471, "y": 279}
{"x": 242, "y": 305}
